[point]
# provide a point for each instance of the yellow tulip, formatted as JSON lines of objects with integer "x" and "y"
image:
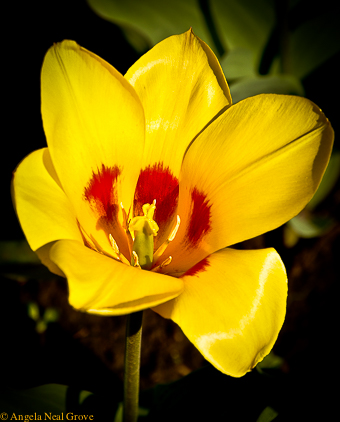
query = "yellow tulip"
{"x": 158, "y": 166}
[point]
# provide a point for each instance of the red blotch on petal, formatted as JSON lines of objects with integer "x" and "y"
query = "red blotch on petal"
{"x": 157, "y": 182}
{"x": 198, "y": 268}
{"x": 101, "y": 192}
{"x": 200, "y": 219}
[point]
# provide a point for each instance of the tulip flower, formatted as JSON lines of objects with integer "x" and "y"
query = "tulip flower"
{"x": 150, "y": 178}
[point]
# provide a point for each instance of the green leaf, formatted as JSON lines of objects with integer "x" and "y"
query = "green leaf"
{"x": 51, "y": 315}
{"x": 153, "y": 20}
{"x": 46, "y": 398}
{"x": 305, "y": 225}
{"x": 137, "y": 39}
{"x": 17, "y": 252}
{"x": 244, "y": 23}
{"x": 269, "y": 84}
{"x": 290, "y": 237}
{"x": 238, "y": 63}
{"x": 33, "y": 311}
{"x": 328, "y": 181}
{"x": 308, "y": 226}
{"x": 268, "y": 414}
{"x": 209, "y": 395}
{"x": 314, "y": 42}
{"x": 119, "y": 414}
{"x": 18, "y": 262}
{"x": 41, "y": 326}
{"x": 56, "y": 400}
{"x": 271, "y": 361}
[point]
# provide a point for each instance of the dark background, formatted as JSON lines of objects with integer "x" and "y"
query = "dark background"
{"x": 85, "y": 350}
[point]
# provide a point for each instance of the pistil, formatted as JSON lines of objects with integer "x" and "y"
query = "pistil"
{"x": 144, "y": 229}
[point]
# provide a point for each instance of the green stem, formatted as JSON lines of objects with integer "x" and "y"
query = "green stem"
{"x": 132, "y": 366}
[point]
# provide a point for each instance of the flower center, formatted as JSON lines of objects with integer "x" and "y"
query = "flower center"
{"x": 142, "y": 230}
{"x": 145, "y": 229}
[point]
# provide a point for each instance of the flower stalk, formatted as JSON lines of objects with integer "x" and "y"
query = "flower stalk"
{"x": 132, "y": 366}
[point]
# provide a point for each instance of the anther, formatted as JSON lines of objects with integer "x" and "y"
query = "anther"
{"x": 135, "y": 260}
{"x": 163, "y": 264}
{"x": 125, "y": 225}
{"x": 170, "y": 238}
{"x": 166, "y": 261}
{"x": 116, "y": 250}
{"x": 125, "y": 217}
{"x": 114, "y": 245}
{"x": 175, "y": 230}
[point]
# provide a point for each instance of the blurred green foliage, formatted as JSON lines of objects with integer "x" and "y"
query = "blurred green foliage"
{"x": 41, "y": 321}
{"x": 309, "y": 223}
{"x": 242, "y": 33}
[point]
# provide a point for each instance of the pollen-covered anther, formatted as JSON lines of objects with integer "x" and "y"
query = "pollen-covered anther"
{"x": 116, "y": 250}
{"x": 125, "y": 217}
{"x": 114, "y": 245}
{"x": 163, "y": 264}
{"x": 135, "y": 260}
{"x": 175, "y": 229}
{"x": 170, "y": 238}
{"x": 125, "y": 225}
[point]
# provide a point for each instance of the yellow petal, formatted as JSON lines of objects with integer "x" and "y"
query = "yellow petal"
{"x": 232, "y": 307}
{"x": 44, "y": 256}
{"x": 101, "y": 285}
{"x": 251, "y": 170}
{"x": 182, "y": 87}
{"x": 94, "y": 125}
{"x": 43, "y": 209}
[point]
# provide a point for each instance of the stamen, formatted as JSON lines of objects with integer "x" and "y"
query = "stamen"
{"x": 135, "y": 260}
{"x": 166, "y": 262}
{"x": 114, "y": 245}
{"x": 132, "y": 234}
{"x": 171, "y": 237}
{"x": 116, "y": 250}
{"x": 125, "y": 217}
{"x": 129, "y": 235}
{"x": 88, "y": 240}
{"x": 175, "y": 230}
{"x": 163, "y": 264}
